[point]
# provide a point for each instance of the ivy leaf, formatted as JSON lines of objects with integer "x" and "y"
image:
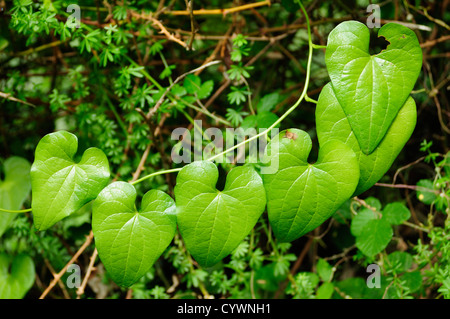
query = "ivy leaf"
{"x": 14, "y": 189}
{"x": 372, "y": 89}
{"x": 212, "y": 222}
{"x": 61, "y": 186}
{"x": 16, "y": 276}
{"x": 301, "y": 196}
{"x": 128, "y": 240}
{"x": 331, "y": 122}
{"x": 374, "y": 237}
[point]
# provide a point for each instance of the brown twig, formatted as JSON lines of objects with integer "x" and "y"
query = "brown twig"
{"x": 8, "y": 96}
{"x": 80, "y": 290}
{"x": 60, "y": 283}
{"x": 190, "y": 8}
{"x": 220, "y": 11}
{"x": 431, "y": 43}
{"x": 141, "y": 165}
{"x": 405, "y": 167}
{"x": 153, "y": 110}
{"x": 58, "y": 276}
{"x": 160, "y": 26}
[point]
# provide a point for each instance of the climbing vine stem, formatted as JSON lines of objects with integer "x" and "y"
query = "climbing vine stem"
{"x": 15, "y": 211}
{"x": 282, "y": 117}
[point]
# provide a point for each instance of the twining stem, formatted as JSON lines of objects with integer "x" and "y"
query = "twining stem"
{"x": 168, "y": 171}
{"x": 289, "y": 111}
{"x": 263, "y": 133}
{"x": 15, "y": 211}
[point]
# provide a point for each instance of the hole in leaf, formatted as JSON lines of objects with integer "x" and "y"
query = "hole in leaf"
{"x": 222, "y": 179}
{"x": 377, "y": 44}
{"x": 314, "y": 154}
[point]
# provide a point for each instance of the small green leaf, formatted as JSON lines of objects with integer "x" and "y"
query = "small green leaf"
{"x": 396, "y": 213}
{"x": 266, "y": 279}
{"x": 301, "y": 196}
{"x": 426, "y": 197}
{"x": 374, "y": 237}
{"x": 192, "y": 83}
{"x": 374, "y": 203}
{"x": 400, "y": 261}
{"x": 268, "y": 102}
{"x": 61, "y": 186}
{"x": 212, "y": 222}
{"x": 324, "y": 270}
{"x": 265, "y": 119}
{"x": 332, "y": 122}
{"x": 249, "y": 121}
{"x": 205, "y": 89}
{"x": 372, "y": 89}
{"x": 413, "y": 280}
{"x": 361, "y": 220}
{"x": 14, "y": 189}
{"x": 16, "y": 276}
{"x": 325, "y": 291}
{"x": 129, "y": 241}
{"x": 356, "y": 288}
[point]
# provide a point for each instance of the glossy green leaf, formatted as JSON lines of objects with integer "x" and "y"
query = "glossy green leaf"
{"x": 61, "y": 186}
{"x": 14, "y": 189}
{"x": 16, "y": 276}
{"x": 332, "y": 123}
{"x": 301, "y": 196}
{"x": 372, "y": 89}
{"x": 212, "y": 222}
{"x": 128, "y": 240}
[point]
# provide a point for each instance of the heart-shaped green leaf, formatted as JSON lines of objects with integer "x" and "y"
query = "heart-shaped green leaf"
{"x": 211, "y": 222}
{"x": 331, "y": 123}
{"x": 14, "y": 189}
{"x": 15, "y": 284}
{"x": 301, "y": 196}
{"x": 59, "y": 185}
{"x": 372, "y": 89}
{"x": 128, "y": 240}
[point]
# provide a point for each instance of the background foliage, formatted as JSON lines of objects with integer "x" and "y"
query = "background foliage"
{"x": 104, "y": 81}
